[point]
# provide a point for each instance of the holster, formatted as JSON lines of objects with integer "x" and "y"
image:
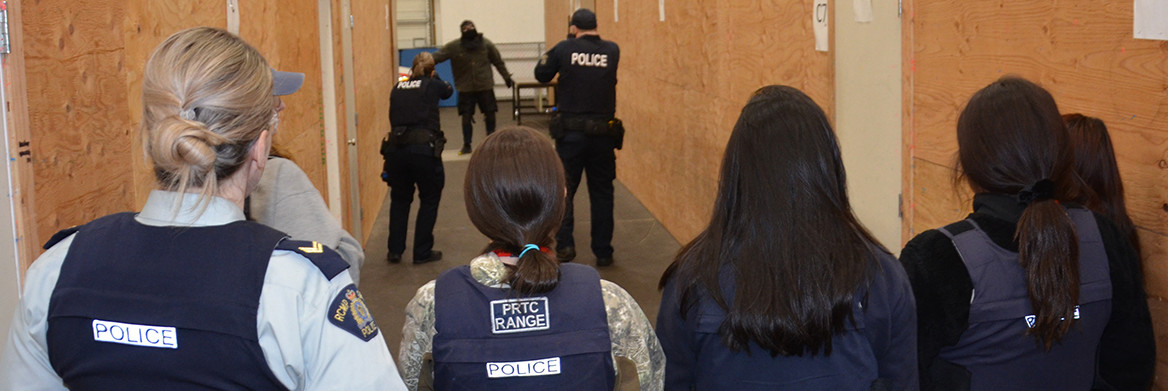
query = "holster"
{"x": 438, "y": 143}
{"x": 556, "y": 127}
{"x": 404, "y": 135}
{"x": 387, "y": 146}
{"x": 616, "y": 128}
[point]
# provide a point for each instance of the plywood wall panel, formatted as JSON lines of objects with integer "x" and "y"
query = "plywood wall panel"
{"x": 376, "y": 72}
{"x": 1084, "y": 54}
{"x": 1155, "y": 251}
{"x": 77, "y": 113}
{"x": 683, "y": 82}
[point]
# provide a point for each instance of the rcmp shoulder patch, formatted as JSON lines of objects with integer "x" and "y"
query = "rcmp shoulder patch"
{"x": 328, "y": 261}
{"x": 349, "y": 312}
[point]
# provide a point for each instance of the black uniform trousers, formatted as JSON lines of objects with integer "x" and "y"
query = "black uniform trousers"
{"x": 486, "y": 102}
{"x": 593, "y": 156}
{"x": 406, "y": 170}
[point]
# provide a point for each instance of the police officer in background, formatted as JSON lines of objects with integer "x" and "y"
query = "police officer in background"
{"x": 471, "y": 57}
{"x": 584, "y": 128}
{"x": 413, "y": 156}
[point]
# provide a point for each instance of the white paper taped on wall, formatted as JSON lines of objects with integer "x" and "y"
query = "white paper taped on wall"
{"x": 819, "y": 19}
{"x": 1150, "y": 20}
{"x": 863, "y": 9}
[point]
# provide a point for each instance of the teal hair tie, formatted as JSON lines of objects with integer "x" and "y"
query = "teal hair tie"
{"x": 527, "y": 248}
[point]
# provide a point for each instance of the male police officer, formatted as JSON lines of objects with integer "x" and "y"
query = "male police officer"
{"x": 413, "y": 156}
{"x": 471, "y": 57}
{"x": 584, "y": 136}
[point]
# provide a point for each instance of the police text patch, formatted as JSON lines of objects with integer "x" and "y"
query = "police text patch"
{"x": 541, "y": 367}
{"x": 519, "y": 315}
{"x": 135, "y": 334}
{"x": 349, "y": 313}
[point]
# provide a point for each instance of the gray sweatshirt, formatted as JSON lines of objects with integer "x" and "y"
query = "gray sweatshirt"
{"x": 286, "y": 200}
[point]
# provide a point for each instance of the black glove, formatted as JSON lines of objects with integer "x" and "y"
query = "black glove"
{"x": 510, "y": 83}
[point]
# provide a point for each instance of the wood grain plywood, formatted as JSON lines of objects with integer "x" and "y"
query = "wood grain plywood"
{"x": 78, "y": 118}
{"x": 374, "y": 65}
{"x": 1155, "y": 252}
{"x": 683, "y": 83}
{"x": 557, "y": 13}
{"x": 1084, "y": 54}
{"x": 937, "y": 199}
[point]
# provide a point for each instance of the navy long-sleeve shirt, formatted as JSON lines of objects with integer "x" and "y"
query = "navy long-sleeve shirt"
{"x": 881, "y": 344}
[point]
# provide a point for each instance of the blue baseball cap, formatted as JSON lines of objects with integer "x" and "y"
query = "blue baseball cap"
{"x": 286, "y": 83}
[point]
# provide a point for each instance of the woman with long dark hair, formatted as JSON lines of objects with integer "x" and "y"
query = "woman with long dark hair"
{"x": 516, "y": 318}
{"x": 1095, "y": 163}
{"x": 1029, "y": 291}
{"x": 785, "y": 289}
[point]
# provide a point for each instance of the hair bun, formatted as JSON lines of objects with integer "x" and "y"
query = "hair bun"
{"x": 192, "y": 147}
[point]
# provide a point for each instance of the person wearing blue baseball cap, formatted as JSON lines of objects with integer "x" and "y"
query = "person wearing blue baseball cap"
{"x": 286, "y": 199}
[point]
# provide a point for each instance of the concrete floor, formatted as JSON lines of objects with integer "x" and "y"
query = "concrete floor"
{"x": 643, "y": 247}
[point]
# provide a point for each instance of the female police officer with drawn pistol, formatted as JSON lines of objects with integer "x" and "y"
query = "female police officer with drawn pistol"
{"x": 413, "y": 156}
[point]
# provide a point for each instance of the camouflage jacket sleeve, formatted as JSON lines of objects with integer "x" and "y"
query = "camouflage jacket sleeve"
{"x": 417, "y": 335}
{"x": 633, "y": 336}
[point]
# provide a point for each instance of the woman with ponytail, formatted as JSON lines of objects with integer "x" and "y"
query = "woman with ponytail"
{"x": 516, "y": 318}
{"x": 1030, "y": 291}
{"x": 187, "y": 294}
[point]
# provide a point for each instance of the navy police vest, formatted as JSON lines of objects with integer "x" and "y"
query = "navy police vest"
{"x": 995, "y": 348}
{"x": 141, "y": 307}
{"x": 490, "y": 339}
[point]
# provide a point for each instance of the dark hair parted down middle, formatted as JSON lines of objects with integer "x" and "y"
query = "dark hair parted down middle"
{"x": 784, "y": 230}
{"x": 1009, "y": 137}
{"x": 514, "y": 193}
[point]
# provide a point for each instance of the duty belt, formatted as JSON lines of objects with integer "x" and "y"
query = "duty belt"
{"x": 405, "y": 135}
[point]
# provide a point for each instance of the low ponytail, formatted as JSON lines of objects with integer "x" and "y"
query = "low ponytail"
{"x": 1011, "y": 139}
{"x": 514, "y": 194}
{"x": 1048, "y": 249}
{"x": 535, "y": 272}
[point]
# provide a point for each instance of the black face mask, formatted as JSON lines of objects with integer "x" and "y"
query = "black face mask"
{"x": 470, "y": 34}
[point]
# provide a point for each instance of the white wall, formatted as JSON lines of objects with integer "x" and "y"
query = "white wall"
{"x": 501, "y": 21}
{"x": 868, "y": 107}
{"x": 9, "y": 264}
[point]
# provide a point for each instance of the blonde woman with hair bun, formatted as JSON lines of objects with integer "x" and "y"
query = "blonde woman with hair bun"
{"x": 187, "y": 294}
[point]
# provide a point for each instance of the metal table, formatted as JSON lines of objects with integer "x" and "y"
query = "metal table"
{"x": 535, "y": 105}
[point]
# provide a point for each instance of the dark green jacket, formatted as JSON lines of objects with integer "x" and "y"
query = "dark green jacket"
{"x": 472, "y": 67}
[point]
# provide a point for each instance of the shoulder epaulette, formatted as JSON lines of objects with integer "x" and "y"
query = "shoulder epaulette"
{"x": 60, "y": 235}
{"x": 957, "y": 228}
{"x": 328, "y": 261}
